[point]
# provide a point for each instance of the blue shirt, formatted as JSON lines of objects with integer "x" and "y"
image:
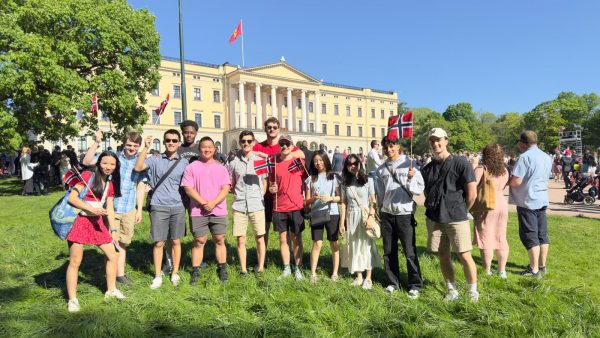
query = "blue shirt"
{"x": 167, "y": 194}
{"x": 533, "y": 167}
{"x": 129, "y": 182}
{"x": 325, "y": 187}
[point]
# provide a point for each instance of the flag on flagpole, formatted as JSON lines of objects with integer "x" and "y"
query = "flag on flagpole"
{"x": 237, "y": 32}
{"x": 400, "y": 126}
{"x": 162, "y": 107}
{"x": 262, "y": 167}
{"x": 94, "y": 106}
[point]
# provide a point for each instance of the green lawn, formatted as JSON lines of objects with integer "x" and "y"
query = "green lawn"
{"x": 32, "y": 290}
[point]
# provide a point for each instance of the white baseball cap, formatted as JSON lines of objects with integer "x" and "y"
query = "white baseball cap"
{"x": 437, "y": 132}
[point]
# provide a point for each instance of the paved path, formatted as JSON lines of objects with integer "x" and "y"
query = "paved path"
{"x": 557, "y": 207}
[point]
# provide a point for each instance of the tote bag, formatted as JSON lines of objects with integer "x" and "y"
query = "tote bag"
{"x": 63, "y": 214}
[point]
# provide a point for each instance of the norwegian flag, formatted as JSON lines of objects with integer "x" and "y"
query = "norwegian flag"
{"x": 162, "y": 107}
{"x": 296, "y": 165}
{"x": 72, "y": 177}
{"x": 400, "y": 126}
{"x": 262, "y": 167}
{"x": 94, "y": 106}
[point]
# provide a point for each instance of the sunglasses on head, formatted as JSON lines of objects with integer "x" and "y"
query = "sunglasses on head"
{"x": 171, "y": 140}
{"x": 272, "y": 127}
{"x": 246, "y": 141}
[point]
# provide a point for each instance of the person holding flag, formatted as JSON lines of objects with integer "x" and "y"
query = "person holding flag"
{"x": 397, "y": 183}
{"x": 290, "y": 174}
{"x": 249, "y": 181}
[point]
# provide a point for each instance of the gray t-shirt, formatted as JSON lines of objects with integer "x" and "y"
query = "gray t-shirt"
{"x": 190, "y": 153}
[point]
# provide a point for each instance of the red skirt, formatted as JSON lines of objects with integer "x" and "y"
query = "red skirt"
{"x": 89, "y": 230}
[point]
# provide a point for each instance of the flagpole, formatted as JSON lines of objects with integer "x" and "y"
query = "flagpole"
{"x": 275, "y": 177}
{"x": 242, "y": 25}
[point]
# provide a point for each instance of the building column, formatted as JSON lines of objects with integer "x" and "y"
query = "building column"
{"x": 304, "y": 111}
{"x": 290, "y": 110}
{"x": 250, "y": 120}
{"x": 243, "y": 118}
{"x": 280, "y": 109}
{"x": 317, "y": 111}
{"x": 274, "y": 101}
{"x": 258, "y": 106}
{"x": 233, "y": 123}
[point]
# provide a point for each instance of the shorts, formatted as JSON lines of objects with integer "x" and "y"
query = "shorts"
{"x": 455, "y": 236}
{"x": 288, "y": 221}
{"x": 332, "y": 228}
{"x": 268, "y": 208}
{"x": 533, "y": 227}
{"x": 167, "y": 223}
{"x": 202, "y": 224}
{"x": 240, "y": 222}
{"x": 126, "y": 223}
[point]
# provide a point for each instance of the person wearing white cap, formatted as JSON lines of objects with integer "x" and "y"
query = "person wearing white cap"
{"x": 450, "y": 190}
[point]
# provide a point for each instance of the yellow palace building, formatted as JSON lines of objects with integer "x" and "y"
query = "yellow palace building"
{"x": 226, "y": 99}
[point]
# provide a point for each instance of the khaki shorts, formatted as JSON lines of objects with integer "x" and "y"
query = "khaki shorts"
{"x": 240, "y": 222}
{"x": 126, "y": 224}
{"x": 443, "y": 237}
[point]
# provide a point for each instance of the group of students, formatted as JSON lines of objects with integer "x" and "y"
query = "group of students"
{"x": 272, "y": 183}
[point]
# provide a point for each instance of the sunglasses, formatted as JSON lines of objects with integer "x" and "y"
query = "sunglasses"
{"x": 171, "y": 140}
{"x": 285, "y": 144}
{"x": 272, "y": 127}
{"x": 352, "y": 164}
{"x": 246, "y": 141}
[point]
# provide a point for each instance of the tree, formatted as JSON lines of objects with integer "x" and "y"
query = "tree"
{"x": 11, "y": 139}
{"x": 56, "y": 54}
{"x": 507, "y": 129}
{"x": 573, "y": 108}
{"x": 425, "y": 119}
{"x": 460, "y": 111}
{"x": 545, "y": 119}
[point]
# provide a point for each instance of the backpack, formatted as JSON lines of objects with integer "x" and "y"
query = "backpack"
{"x": 486, "y": 194}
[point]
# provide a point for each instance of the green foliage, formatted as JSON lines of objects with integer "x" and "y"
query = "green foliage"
{"x": 11, "y": 139}
{"x": 460, "y": 111}
{"x": 57, "y": 54}
{"x": 546, "y": 120}
{"x": 425, "y": 119}
{"x": 507, "y": 129}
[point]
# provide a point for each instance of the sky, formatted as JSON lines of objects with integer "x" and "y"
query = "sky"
{"x": 500, "y": 56}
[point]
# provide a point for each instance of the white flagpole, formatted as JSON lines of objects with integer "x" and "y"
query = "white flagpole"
{"x": 242, "y": 25}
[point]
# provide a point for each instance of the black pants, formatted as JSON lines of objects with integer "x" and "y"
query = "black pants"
{"x": 40, "y": 180}
{"x": 566, "y": 179}
{"x": 394, "y": 228}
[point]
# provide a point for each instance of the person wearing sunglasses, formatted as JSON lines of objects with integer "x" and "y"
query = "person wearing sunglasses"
{"x": 167, "y": 211}
{"x": 248, "y": 191}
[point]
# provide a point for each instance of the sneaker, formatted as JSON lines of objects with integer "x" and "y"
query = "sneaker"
{"x": 543, "y": 270}
{"x": 167, "y": 267}
{"x": 243, "y": 274}
{"x": 73, "y": 305}
{"x": 287, "y": 271}
{"x": 313, "y": 279}
{"x": 414, "y": 294}
{"x": 367, "y": 284}
{"x": 391, "y": 289}
{"x": 124, "y": 280}
{"x": 335, "y": 278}
{"x": 116, "y": 293}
{"x": 503, "y": 274}
{"x": 195, "y": 277}
{"x": 474, "y": 296}
{"x": 529, "y": 273}
{"x": 489, "y": 273}
{"x": 175, "y": 279}
{"x": 357, "y": 282}
{"x": 451, "y": 296}
{"x": 298, "y": 274}
{"x": 156, "y": 282}
{"x": 222, "y": 272}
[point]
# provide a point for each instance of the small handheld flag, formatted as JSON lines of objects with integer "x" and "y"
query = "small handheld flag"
{"x": 72, "y": 177}
{"x": 262, "y": 167}
{"x": 237, "y": 32}
{"x": 296, "y": 165}
{"x": 94, "y": 106}
{"x": 162, "y": 107}
{"x": 400, "y": 126}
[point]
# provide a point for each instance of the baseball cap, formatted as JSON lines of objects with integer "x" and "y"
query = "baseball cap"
{"x": 285, "y": 137}
{"x": 437, "y": 132}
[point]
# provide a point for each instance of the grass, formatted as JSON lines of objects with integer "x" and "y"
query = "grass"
{"x": 32, "y": 290}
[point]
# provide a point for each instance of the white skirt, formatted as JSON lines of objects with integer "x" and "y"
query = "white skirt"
{"x": 360, "y": 252}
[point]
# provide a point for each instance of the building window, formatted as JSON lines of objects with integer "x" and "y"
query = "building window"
{"x": 155, "y": 92}
{"x": 285, "y": 101}
{"x": 300, "y": 125}
{"x": 360, "y": 131}
{"x": 154, "y": 116}
{"x": 176, "y": 91}
{"x": 216, "y": 96}
{"x": 198, "y": 119}
{"x": 287, "y": 126}
{"x": 104, "y": 117}
{"x": 382, "y": 113}
{"x": 218, "y": 146}
{"x": 373, "y": 113}
{"x": 382, "y": 132}
{"x": 336, "y": 109}
{"x": 336, "y": 130}
{"x": 310, "y": 107}
{"x": 82, "y": 143}
{"x": 373, "y": 132}
{"x": 177, "y": 117}
{"x": 349, "y": 150}
{"x": 359, "y": 112}
{"x": 324, "y": 128}
{"x": 197, "y": 96}
{"x": 360, "y": 150}
{"x": 156, "y": 144}
{"x": 311, "y": 127}
{"x": 348, "y": 130}
{"x": 106, "y": 142}
{"x": 347, "y": 110}
{"x": 217, "y": 119}
{"x": 323, "y": 108}
{"x": 299, "y": 103}
{"x": 391, "y": 113}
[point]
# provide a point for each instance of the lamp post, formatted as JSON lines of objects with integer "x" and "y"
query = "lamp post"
{"x": 181, "y": 62}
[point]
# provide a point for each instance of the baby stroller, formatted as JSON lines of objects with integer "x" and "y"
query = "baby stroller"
{"x": 576, "y": 194}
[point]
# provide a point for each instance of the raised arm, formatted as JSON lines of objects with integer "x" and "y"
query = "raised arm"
{"x": 140, "y": 164}
{"x": 88, "y": 160}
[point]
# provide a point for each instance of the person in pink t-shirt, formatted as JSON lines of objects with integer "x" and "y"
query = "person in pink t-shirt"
{"x": 207, "y": 184}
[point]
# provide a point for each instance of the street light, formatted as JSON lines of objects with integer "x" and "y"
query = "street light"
{"x": 181, "y": 62}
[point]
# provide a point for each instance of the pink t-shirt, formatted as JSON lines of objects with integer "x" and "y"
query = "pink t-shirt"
{"x": 207, "y": 178}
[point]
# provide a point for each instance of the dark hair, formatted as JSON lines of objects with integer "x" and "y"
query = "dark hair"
{"x": 312, "y": 170}
{"x": 272, "y": 119}
{"x": 493, "y": 159}
{"x": 188, "y": 123}
{"x": 246, "y": 133}
{"x": 97, "y": 186}
{"x": 174, "y": 132}
{"x": 206, "y": 138}
{"x": 373, "y": 143}
{"x": 133, "y": 136}
{"x": 347, "y": 176}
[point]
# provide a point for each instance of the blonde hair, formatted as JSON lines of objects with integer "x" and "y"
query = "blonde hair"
{"x": 26, "y": 150}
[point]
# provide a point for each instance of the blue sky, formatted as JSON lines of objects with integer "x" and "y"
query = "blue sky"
{"x": 501, "y": 56}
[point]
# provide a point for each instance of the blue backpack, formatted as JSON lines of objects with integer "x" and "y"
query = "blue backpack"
{"x": 63, "y": 214}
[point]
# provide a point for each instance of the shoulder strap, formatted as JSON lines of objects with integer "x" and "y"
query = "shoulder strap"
{"x": 397, "y": 181}
{"x": 164, "y": 177}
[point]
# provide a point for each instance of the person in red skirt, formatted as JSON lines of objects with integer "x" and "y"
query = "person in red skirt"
{"x": 89, "y": 228}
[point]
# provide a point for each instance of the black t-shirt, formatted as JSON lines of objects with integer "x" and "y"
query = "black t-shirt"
{"x": 190, "y": 153}
{"x": 566, "y": 162}
{"x": 453, "y": 207}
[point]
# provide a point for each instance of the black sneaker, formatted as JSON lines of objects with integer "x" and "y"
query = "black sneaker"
{"x": 124, "y": 280}
{"x": 529, "y": 273}
{"x": 243, "y": 274}
{"x": 222, "y": 272}
{"x": 195, "y": 277}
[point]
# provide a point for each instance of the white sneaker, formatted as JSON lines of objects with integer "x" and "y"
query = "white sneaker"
{"x": 357, "y": 282}
{"x": 175, "y": 279}
{"x": 489, "y": 273}
{"x": 474, "y": 296}
{"x": 286, "y": 272}
{"x": 367, "y": 284}
{"x": 298, "y": 274}
{"x": 313, "y": 279}
{"x": 414, "y": 294}
{"x": 73, "y": 305}
{"x": 451, "y": 296}
{"x": 503, "y": 274}
{"x": 391, "y": 289}
{"x": 116, "y": 293}
{"x": 156, "y": 282}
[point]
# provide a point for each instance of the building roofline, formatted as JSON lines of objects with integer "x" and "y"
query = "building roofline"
{"x": 191, "y": 62}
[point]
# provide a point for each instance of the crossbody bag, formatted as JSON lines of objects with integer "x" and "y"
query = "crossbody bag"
{"x": 436, "y": 193}
{"x": 373, "y": 223}
{"x": 319, "y": 217}
{"x": 163, "y": 177}
{"x": 413, "y": 220}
